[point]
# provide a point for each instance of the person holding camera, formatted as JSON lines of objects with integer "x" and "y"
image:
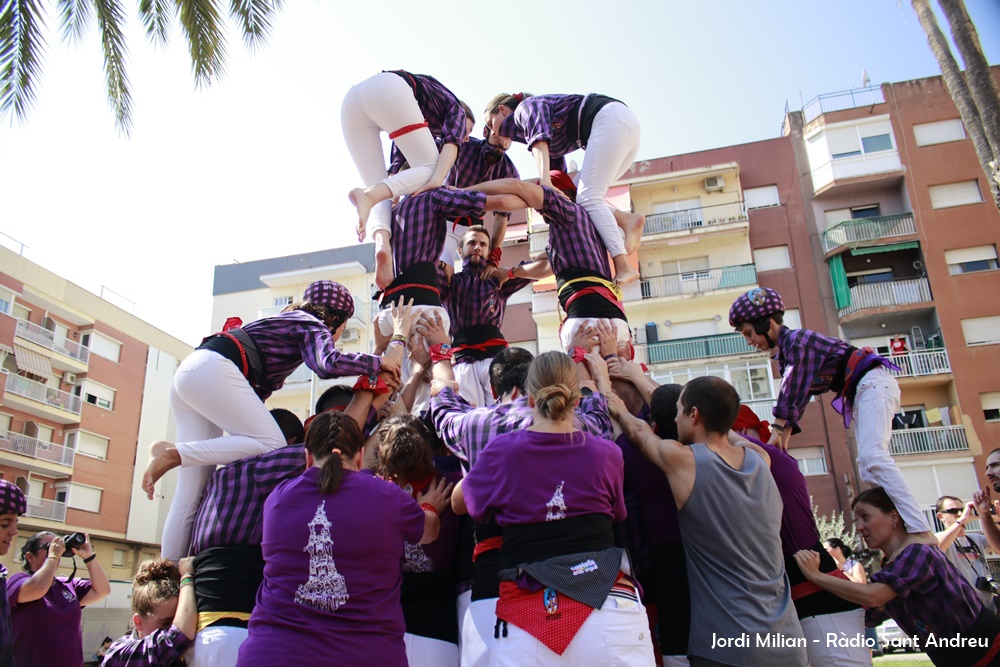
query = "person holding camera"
{"x": 966, "y": 551}
{"x": 45, "y": 609}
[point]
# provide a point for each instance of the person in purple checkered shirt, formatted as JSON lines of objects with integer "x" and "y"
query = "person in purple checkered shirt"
{"x": 917, "y": 587}
{"x": 221, "y": 387}
{"x": 12, "y": 505}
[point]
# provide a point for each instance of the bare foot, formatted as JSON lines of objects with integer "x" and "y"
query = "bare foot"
{"x": 631, "y": 224}
{"x": 384, "y": 275}
{"x": 624, "y": 273}
{"x": 364, "y": 204}
{"x": 163, "y": 456}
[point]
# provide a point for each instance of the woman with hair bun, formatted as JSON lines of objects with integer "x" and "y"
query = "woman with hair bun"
{"x": 333, "y": 543}
{"x": 164, "y": 614}
{"x": 566, "y": 594}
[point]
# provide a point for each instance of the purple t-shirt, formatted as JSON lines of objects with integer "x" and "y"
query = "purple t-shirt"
{"x": 332, "y": 572}
{"x": 528, "y": 477}
{"x": 798, "y": 527}
{"x": 656, "y": 500}
{"x": 47, "y": 630}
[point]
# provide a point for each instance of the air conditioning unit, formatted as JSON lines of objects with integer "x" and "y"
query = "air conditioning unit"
{"x": 69, "y": 378}
{"x": 349, "y": 335}
{"x": 714, "y": 183}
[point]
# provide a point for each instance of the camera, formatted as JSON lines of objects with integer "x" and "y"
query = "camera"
{"x": 73, "y": 541}
{"x": 988, "y": 585}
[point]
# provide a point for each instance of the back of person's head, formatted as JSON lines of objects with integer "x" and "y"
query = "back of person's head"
{"x": 505, "y": 99}
{"x": 34, "y": 543}
{"x": 290, "y": 425}
{"x": 509, "y": 370}
{"x": 875, "y": 497}
{"x": 837, "y": 543}
{"x": 554, "y": 385}
{"x": 663, "y": 410}
{"x": 939, "y": 506}
{"x": 156, "y": 582}
{"x": 716, "y": 400}
{"x": 332, "y": 435}
{"x": 337, "y": 396}
{"x": 468, "y": 112}
{"x": 626, "y": 391}
{"x": 404, "y": 451}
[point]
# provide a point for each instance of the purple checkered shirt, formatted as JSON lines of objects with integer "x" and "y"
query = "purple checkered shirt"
{"x": 232, "y": 507}
{"x": 808, "y": 362}
{"x": 444, "y": 115}
{"x": 471, "y": 301}
{"x": 573, "y": 239}
{"x": 544, "y": 118}
{"x": 467, "y": 430}
{"x": 419, "y": 223}
{"x": 288, "y": 340}
{"x": 160, "y": 648}
{"x": 471, "y": 167}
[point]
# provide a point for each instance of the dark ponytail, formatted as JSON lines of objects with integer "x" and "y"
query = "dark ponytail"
{"x": 333, "y": 436}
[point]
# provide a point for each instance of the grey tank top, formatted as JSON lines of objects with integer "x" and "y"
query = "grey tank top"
{"x": 741, "y": 604}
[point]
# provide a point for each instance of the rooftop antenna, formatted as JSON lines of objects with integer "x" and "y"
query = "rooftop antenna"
{"x": 865, "y": 81}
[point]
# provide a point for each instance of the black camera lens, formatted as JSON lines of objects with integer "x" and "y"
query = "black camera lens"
{"x": 73, "y": 541}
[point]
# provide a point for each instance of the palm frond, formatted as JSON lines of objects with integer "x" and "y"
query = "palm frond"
{"x": 203, "y": 28}
{"x": 22, "y": 48}
{"x": 76, "y": 16}
{"x": 254, "y": 18}
{"x": 110, "y": 19}
{"x": 155, "y": 16}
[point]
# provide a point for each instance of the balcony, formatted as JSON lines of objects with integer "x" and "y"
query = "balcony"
{"x": 848, "y": 99}
{"x": 887, "y": 295}
{"x": 42, "y": 400}
{"x": 538, "y": 239}
{"x": 855, "y": 232}
{"x": 930, "y": 440}
{"x": 692, "y": 282}
{"x": 17, "y": 443}
{"x": 52, "y": 341}
{"x": 763, "y": 408}
{"x": 841, "y": 169}
{"x": 921, "y": 363}
{"x": 695, "y": 219}
{"x": 686, "y": 349}
{"x": 43, "y": 508}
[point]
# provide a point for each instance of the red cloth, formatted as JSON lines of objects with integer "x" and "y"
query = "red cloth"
{"x": 482, "y": 347}
{"x": 489, "y": 544}
{"x": 748, "y": 419}
{"x": 805, "y": 588}
{"x": 562, "y": 181}
{"x": 526, "y": 610}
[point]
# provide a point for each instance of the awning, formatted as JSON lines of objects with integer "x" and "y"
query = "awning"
{"x": 871, "y": 250}
{"x": 32, "y": 363}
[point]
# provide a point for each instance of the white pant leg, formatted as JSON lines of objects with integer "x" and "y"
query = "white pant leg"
{"x": 573, "y": 324}
{"x": 847, "y": 625}
{"x": 385, "y": 102}
{"x": 611, "y": 149}
{"x": 452, "y": 240}
{"x": 427, "y": 652}
{"x": 875, "y": 403}
{"x": 477, "y": 626}
{"x": 217, "y": 646}
{"x": 474, "y": 382}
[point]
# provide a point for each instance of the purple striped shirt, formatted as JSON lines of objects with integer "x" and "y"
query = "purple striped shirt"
{"x": 808, "y": 362}
{"x": 444, "y": 115}
{"x": 473, "y": 165}
{"x": 232, "y": 506}
{"x": 544, "y": 118}
{"x": 288, "y": 340}
{"x": 419, "y": 224}
{"x": 160, "y": 648}
{"x": 467, "y": 430}
{"x": 573, "y": 239}
{"x": 471, "y": 301}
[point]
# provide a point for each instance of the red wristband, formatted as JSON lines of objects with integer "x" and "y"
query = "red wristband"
{"x": 510, "y": 274}
{"x": 440, "y": 352}
{"x": 373, "y": 383}
{"x": 427, "y": 507}
{"x": 577, "y": 354}
{"x": 495, "y": 255}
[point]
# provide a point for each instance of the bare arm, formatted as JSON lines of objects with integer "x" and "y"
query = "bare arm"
{"x": 458, "y": 500}
{"x": 869, "y": 595}
{"x": 446, "y": 160}
{"x": 984, "y": 504}
{"x": 438, "y": 495}
{"x": 947, "y": 536}
{"x": 39, "y": 583}
{"x": 536, "y": 270}
{"x": 531, "y": 195}
{"x": 499, "y": 230}
{"x": 186, "y": 618}
{"x": 540, "y": 149}
{"x": 100, "y": 586}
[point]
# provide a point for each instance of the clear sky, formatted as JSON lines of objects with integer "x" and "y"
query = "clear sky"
{"x": 255, "y": 166}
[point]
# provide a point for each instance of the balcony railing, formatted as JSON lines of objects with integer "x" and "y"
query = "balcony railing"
{"x": 848, "y": 99}
{"x": 928, "y": 440}
{"x": 868, "y": 229}
{"x": 538, "y": 239}
{"x": 763, "y": 408}
{"x": 925, "y": 362}
{"x": 22, "y": 386}
{"x": 52, "y": 341}
{"x": 692, "y": 282}
{"x": 693, "y": 218}
{"x": 17, "y": 443}
{"x": 881, "y": 295}
{"x": 882, "y": 162}
{"x": 704, "y": 347}
{"x": 42, "y": 508}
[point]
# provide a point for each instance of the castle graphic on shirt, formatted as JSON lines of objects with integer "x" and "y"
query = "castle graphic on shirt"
{"x": 326, "y": 588}
{"x": 557, "y": 506}
{"x": 415, "y": 559}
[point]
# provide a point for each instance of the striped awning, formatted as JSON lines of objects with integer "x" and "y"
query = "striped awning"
{"x": 32, "y": 363}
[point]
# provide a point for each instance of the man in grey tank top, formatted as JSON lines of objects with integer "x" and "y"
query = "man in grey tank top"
{"x": 741, "y": 604}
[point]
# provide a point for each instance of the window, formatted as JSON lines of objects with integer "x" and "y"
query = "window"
{"x": 96, "y": 394}
{"x": 118, "y": 559}
{"x": 982, "y": 330}
{"x": 869, "y": 277}
{"x": 811, "y": 460}
{"x": 880, "y": 142}
{"x": 764, "y": 197}
{"x": 955, "y": 194}
{"x": 20, "y": 312}
{"x": 6, "y": 299}
{"x": 772, "y": 259}
{"x": 5, "y": 421}
{"x": 87, "y": 444}
{"x": 910, "y": 416}
{"x": 971, "y": 260}
{"x": 991, "y": 406}
{"x": 87, "y": 498}
{"x": 792, "y": 319}
{"x": 943, "y": 131}
{"x": 281, "y": 301}
{"x": 102, "y": 346}
{"x": 857, "y": 140}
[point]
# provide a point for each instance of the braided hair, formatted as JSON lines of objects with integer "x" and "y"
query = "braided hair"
{"x": 331, "y": 437}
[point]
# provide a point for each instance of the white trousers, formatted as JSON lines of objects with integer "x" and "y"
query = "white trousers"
{"x": 474, "y": 382}
{"x": 385, "y": 103}
{"x": 846, "y": 625}
{"x": 476, "y": 626}
{"x": 216, "y": 646}
{"x": 427, "y": 652}
{"x": 610, "y": 637}
{"x": 611, "y": 150}
{"x": 210, "y": 396}
{"x": 573, "y": 324}
{"x": 875, "y": 403}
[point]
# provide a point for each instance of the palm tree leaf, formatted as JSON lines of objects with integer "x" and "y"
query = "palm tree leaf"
{"x": 75, "y": 18}
{"x": 254, "y": 17}
{"x": 202, "y": 25}
{"x": 21, "y": 50}
{"x": 155, "y": 16}
{"x": 109, "y": 21}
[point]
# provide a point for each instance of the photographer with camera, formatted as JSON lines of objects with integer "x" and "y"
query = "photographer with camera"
{"x": 45, "y": 609}
{"x": 966, "y": 551}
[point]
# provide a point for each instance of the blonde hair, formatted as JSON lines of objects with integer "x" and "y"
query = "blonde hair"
{"x": 505, "y": 100}
{"x": 554, "y": 385}
{"x": 156, "y": 582}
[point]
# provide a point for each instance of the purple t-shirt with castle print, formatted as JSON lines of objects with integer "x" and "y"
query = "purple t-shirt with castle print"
{"x": 47, "y": 630}
{"x": 528, "y": 477}
{"x": 332, "y": 572}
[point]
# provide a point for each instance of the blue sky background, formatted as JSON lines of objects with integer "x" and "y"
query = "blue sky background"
{"x": 255, "y": 166}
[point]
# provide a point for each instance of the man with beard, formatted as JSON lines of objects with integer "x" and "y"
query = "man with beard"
{"x": 985, "y": 505}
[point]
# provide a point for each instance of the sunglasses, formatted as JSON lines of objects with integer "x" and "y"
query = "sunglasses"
{"x": 953, "y": 510}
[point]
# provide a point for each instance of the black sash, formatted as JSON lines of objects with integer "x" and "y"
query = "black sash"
{"x": 588, "y": 305}
{"x": 986, "y": 626}
{"x": 228, "y": 577}
{"x": 479, "y": 333}
{"x": 536, "y": 542}
{"x": 581, "y": 119}
{"x": 222, "y": 344}
{"x": 421, "y": 273}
